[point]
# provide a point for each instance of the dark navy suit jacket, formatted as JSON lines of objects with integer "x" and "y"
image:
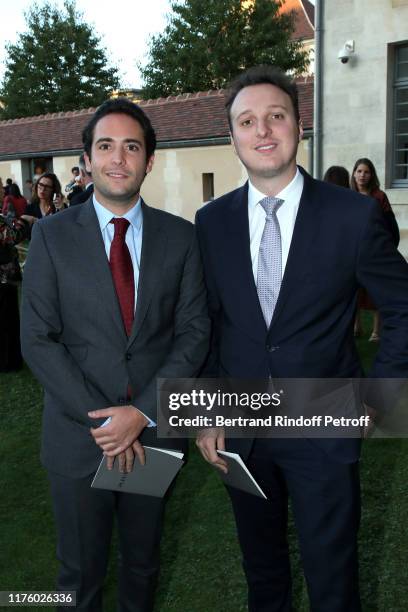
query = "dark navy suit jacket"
{"x": 340, "y": 242}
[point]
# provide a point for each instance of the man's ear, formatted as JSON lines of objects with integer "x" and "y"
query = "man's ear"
{"x": 149, "y": 164}
{"x": 88, "y": 164}
{"x": 233, "y": 143}
{"x": 300, "y": 129}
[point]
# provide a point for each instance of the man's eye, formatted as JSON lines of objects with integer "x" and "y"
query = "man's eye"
{"x": 104, "y": 146}
{"x": 246, "y": 122}
{"x": 133, "y": 147}
{"x": 277, "y": 116}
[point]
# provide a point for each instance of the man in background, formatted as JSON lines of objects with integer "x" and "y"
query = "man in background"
{"x": 28, "y": 190}
{"x": 7, "y": 186}
{"x": 72, "y": 182}
{"x": 86, "y": 182}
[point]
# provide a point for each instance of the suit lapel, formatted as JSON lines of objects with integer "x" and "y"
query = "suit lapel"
{"x": 154, "y": 244}
{"x": 90, "y": 244}
{"x": 239, "y": 249}
{"x": 306, "y": 224}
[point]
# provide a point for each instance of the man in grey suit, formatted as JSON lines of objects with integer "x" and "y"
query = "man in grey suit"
{"x": 113, "y": 299}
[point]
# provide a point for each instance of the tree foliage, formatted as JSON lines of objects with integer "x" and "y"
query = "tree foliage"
{"x": 206, "y": 44}
{"x": 56, "y": 65}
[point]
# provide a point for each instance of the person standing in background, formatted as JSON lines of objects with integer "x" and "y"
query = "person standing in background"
{"x": 14, "y": 204}
{"x": 364, "y": 179}
{"x": 9, "y": 182}
{"x": 75, "y": 173}
{"x": 59, "y": 202}
{"x": 11, "y": 233}
{"x": 87, "y": 184}
{"x": 338, "y": 175}
{"x": 38, "y": 171}
{"x": 42, "y": 203}
{"x": 28, "y": 190}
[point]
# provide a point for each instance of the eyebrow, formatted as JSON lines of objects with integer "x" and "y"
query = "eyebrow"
{"x": 270, "y": 106}
{"x": 126, "y": 140}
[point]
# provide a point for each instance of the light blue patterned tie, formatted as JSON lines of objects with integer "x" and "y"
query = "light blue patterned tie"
{"x": 269, "y": 275}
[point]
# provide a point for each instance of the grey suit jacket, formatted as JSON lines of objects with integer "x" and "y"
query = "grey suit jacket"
{"x": 73, "y": 336}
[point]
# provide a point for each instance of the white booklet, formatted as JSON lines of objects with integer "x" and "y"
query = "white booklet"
{"x": 238, "y": 475}
{"x": 153, "y": 478}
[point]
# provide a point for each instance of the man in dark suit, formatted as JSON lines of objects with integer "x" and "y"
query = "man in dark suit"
{"x": 113, "y": 299}
{"x": 283, "y": 258}
{"x": 87, "y": 184}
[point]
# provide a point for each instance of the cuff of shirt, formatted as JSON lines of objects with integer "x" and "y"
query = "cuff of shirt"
{"x": 150, "y": 424}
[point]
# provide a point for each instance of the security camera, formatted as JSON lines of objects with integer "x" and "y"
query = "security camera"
{"x": 346, "y": 51}
{"x": 344, "y": 55}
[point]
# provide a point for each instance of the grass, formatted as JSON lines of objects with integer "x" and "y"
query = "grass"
{"x": 201, "y": 570}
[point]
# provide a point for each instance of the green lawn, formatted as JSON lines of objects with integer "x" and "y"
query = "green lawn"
{"x": 201, "y": 569}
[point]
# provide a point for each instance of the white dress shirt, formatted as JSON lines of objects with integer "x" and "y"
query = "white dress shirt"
{"x": 286, "y": 214}
{"x": 133, "y": 240}
{"x": 133, "y": 235}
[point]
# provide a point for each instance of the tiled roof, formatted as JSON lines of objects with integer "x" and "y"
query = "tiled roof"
{"x": 52, "y": 132}
{"x": 304, "y": 17}
{"x": 309, "y": 10}
{"x": 186, "y": 117}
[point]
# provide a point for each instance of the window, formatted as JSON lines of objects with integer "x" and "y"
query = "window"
{"x": 208, "y": 186}
{"x": 400, "y": 123}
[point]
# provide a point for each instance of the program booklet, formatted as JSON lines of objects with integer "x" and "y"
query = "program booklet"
{"x": 153, "y": 478}
{"x": 238, "y": 475}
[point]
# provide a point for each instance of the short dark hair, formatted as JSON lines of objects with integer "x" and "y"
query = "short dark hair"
{"x": 259, "y": 75}
{"x": 125, "y": 107}
{"x": 373, "y": 183}
{"x": 338, "y": 175}
{"x": 9, "y": 181}
{"x": 75, "y": 169}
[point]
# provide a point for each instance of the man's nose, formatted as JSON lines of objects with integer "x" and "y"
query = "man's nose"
{"x": 118, "y": 156}
{"x": 262, "y": 127}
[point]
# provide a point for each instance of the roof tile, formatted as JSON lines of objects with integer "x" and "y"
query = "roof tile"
{"x": 304, "y": 17}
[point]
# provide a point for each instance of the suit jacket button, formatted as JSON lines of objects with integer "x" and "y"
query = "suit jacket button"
{"x": 128, "y": 356}
{"x": 271, "y": 348}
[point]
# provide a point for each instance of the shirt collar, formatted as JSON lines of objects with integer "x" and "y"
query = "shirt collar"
{"x": 291, "y": 192}
{"x": 134, "y": 215}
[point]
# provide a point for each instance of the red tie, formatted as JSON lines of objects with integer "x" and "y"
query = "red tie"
{"x": 122, "y": 272}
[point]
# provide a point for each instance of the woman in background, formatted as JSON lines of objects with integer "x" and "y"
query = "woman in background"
{"x": 14, "y": 203}
{"x": 364, "y": 179}
{"x": 44, "y": 191}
